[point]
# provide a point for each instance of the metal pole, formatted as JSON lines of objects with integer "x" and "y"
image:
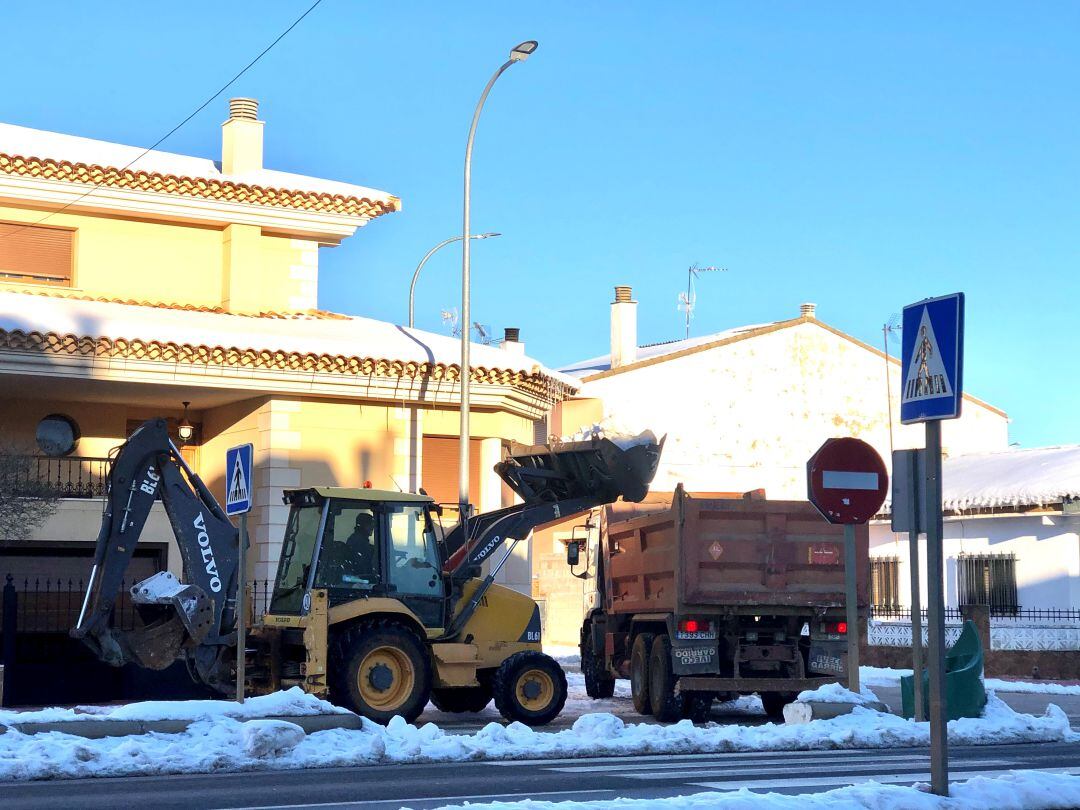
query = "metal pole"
{"x": 914, "y": 505}
{"x": 466, "y": 323}
{"x": 852, "y": 599}
{"x": 241, "y": 612}
{"x": 416, "y": 273}
{"x": 939, "y": 743}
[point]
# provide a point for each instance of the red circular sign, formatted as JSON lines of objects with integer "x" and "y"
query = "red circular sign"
{"x": 846, "y": 480}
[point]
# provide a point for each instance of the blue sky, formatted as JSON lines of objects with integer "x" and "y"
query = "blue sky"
{"x": 860, "y": 156}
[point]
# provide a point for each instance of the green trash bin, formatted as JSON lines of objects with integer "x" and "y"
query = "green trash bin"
{"x": 965, "y": 695}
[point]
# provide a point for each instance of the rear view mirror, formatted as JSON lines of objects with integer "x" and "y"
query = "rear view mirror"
{"x": 573, "y": 553}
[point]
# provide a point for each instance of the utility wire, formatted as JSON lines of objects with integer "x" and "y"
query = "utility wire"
{"x": 172, "y": 131}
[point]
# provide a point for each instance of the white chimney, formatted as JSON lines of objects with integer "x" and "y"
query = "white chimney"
{"x": 242, "y": 138}
{"x": 623, "y": 328}
{"x": 808, "y": 310}
{"x": 511, "y": 341}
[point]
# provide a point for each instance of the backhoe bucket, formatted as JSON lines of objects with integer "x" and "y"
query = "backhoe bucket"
{"x": 603, "y": 469}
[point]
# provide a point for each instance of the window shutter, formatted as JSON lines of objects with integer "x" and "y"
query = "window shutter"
{"x": 35, "y": 254}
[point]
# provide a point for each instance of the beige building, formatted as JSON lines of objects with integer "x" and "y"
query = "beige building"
{"x": 742, "y": 409}
{"x": 132, "y": 282}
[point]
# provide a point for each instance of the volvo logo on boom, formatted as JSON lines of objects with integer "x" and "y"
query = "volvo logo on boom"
{"x": 209, "y": 563}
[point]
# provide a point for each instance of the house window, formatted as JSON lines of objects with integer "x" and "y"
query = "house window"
{"x": 35, "y": 254}
{"x": 988, "y": 579}
{"x": 885, "y": 583}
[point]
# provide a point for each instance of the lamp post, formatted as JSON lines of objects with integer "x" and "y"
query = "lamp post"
{"x": 519, "y": 54}
{"x": 428, "y": 255}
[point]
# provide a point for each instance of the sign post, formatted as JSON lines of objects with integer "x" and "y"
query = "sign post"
{"x": 238, "y": 502}
{"x": 931, "y": 370}
{"x": 908, "y": 508}
{"x": 847, "y": 480}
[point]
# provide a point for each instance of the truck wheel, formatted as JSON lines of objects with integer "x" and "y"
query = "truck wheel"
{"x": 462, "y": 699}
{"x": 530, "y": 687}
{"x": 382, "y": 671}
{"x": 598, "y": 683}
{"x": 639, "y": 672}
{"x": 666, "y": 705}
{"x": 774, "y": 703}
{"x": 696, "y": 706}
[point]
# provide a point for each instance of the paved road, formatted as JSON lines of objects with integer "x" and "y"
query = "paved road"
{"x": 426, "y": 786}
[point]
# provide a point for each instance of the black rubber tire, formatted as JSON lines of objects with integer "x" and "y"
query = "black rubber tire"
{"x": 640, "y": 651}
{"x": 598, "y": 683}
{"x": 696, "y": 706}
{"x": 508, "y": 678}
{"x": 355, "y": 645}
{"x": 774, "y": 703}
{"x": 666, "y": 705}
{"x": 462, "y": 699}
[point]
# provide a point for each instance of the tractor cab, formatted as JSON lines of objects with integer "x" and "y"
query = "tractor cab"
{"x": 359, "y": 544}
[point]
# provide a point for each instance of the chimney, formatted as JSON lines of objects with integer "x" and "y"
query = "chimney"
{"x": 807, "y": 310}
{"x": 242, "y": 138}
{"x": 623, "y": 328}
{"x": 511, "y": 341}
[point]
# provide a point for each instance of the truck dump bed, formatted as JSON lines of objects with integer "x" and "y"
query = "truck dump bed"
{"x": 676, "y": 552}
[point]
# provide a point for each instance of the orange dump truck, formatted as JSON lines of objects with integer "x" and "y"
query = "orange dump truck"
{"x": 704, "y": 597}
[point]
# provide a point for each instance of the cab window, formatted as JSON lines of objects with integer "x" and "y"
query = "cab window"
{"x": 349, "y": 557}
{"x": 414, "y": 567}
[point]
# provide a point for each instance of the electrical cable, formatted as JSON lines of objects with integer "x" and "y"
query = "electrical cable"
{"x": 172, "y": 131}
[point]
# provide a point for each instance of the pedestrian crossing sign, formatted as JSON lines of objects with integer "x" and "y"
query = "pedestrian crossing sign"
{"x": 238, "y": 479}
{"x": 932, "y": 360}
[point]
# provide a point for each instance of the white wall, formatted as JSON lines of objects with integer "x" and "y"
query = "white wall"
{"x": 1047, "y": 549}
{"x": 751, "y": 413}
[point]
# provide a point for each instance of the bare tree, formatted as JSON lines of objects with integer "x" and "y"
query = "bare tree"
{"x": 26, "y": 499}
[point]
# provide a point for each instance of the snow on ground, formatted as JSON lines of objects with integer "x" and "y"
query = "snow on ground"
{"x": 564, "y": 654}
{"x": 1014, "y": 790}
{"x": 222, "y": 743}
{"x": 290, "y": 703}
{"x": 835, "y": 693}
{"x": 886, "y": 676}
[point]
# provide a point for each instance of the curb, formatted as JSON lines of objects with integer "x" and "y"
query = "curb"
{"x": 99, "y": 729}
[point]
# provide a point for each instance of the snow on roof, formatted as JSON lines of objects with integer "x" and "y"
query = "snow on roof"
{"x": 40, "y": 143}
{"x": 1035, "y": 477}
{"x": 347, "y": 336}
{"x": 595, "y": 365}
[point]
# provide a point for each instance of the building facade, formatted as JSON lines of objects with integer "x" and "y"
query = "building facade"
{"x": 146, "y": 284}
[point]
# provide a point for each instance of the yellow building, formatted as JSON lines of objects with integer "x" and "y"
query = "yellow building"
{"x": 133, "y": 282}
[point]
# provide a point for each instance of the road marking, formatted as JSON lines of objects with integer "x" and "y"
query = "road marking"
{"x": 400, "y": 802}
{"x": 919, "y": 759}
{"x": 839, "y": 781}
{"x": 778, "y": 769}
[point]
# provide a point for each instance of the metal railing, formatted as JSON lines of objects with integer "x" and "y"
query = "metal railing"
{"x": 59, "y": 477}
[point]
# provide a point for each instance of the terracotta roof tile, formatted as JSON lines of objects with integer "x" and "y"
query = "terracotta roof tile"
{"x": 207, "y": 188}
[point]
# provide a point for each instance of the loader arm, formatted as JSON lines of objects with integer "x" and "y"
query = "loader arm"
{"x": 555, "y": 483}
{"x": 194, "y": 620}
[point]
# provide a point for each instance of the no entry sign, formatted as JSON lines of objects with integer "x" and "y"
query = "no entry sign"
{"x": 846, "y": 480}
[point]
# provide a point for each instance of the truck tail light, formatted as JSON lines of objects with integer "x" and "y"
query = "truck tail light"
{"x": 692, "y": 626}
{"x": 839, "y": 628}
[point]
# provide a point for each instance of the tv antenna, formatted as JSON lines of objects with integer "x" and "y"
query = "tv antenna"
{"x": 451, "y": 321}
{"x": 483, "y": 332}
{"x": 688, "y": 299}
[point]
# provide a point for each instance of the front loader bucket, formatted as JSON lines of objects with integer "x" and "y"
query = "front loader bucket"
{"x": 603, "y": 469}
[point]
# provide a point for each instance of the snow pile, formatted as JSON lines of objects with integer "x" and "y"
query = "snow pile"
{"x": 882, "y": 676}
{"x": 1032, "y": 687}
{"x": 1015, "y": 790}
{"x": 623, "y": 434}
{"x": 223, "y": 743}
{"x": 835, "y": 693}
{"x": 293, "y": 702}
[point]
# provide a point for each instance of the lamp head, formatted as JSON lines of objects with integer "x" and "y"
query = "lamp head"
{"x": 185, "y": 430}
{"x": 486, "y": 235}
{"x": 523, "y": 51}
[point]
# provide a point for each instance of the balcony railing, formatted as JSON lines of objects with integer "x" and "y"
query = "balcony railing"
{"x": 48, "y": 476}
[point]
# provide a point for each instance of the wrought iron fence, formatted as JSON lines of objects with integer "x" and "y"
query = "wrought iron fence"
{"x": 63, "y": 477}
{"x": 897, "y": 613}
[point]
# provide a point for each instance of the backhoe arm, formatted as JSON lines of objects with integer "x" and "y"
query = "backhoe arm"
{"x": 174, "y": 617}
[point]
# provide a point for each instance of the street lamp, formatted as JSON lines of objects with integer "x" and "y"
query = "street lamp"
{"x": 428, "y": 255}
{"x": 519, "y": 54}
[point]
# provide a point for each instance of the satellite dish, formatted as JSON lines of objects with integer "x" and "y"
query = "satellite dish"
{"x": 483, "y": 332}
